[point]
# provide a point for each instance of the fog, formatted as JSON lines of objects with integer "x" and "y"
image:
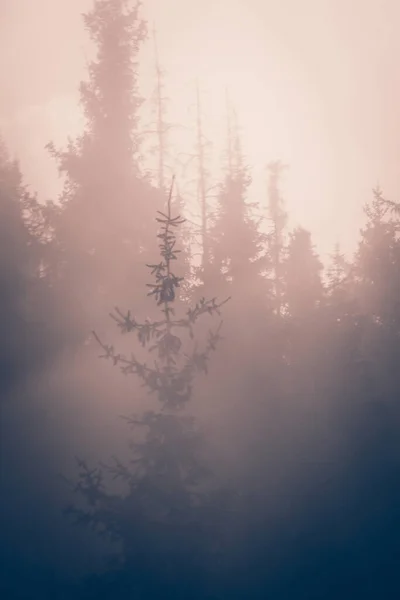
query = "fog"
{"x": 263, "y": 456}
{"x": 322, "y": 79}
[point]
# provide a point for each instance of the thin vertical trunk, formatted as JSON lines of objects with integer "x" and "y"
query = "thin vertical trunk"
{"x": 161, "y": 126}
{"x": 229, "y": 133}
{"x": 278, "y": 217}
{"x": 202, "y": 188}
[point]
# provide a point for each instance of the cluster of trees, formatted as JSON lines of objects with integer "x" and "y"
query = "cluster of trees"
{"x": 301, "y": 497}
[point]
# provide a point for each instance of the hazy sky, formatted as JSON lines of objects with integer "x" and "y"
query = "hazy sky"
{"x": 315, "y": 83}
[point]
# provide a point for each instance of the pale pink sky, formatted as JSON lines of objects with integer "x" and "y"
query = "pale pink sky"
{"x": 315, "y": 82}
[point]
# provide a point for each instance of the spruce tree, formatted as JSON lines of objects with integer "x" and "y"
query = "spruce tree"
{"x": 21, "y": 288}
{"x": 303, "y": 299}
{"x": 161, "y": 520}
{"x": 236, "y": 241}
{"x": 276, "y": 238}
{"x": 107, "y": 204}
{"x": 377, "y": 292}
{"x": 340, "y": 284}
{"x": 303, "y": 283}
{"x": 339, "y": 268}
{"x": 378, "y": 259}
{"x": 162, "y": 149}
{"x": 372, "y": 384}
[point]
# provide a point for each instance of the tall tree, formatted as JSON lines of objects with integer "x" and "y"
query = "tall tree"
{"x": 378, "y": 260}
{"x": 340, "y": 289}
{"x": 106, "y": 204}
{"x": 276, "y": 239}
{"x": 202, "y": 181}
{"x": 304, "y": 290}
{"x": 236, "y": 240}
{"x": 162, "y": 129}
{"x": 159, "y": 521}
{"x": 377, "y": 271}
{"x": 303, "y": 298}
{"x": 21, "y": 289}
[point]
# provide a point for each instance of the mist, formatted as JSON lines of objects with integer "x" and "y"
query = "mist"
{"x": 199, "y": 293}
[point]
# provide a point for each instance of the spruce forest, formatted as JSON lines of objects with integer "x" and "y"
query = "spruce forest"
{"x": 195, "y": 405}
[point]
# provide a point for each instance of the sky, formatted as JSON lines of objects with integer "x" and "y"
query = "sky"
{"x": 314, "y": 83}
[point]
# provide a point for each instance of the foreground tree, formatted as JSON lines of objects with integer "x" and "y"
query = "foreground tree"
{"x": 167, "y": 520}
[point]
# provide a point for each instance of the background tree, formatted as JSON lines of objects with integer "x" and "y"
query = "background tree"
{"x": 236, "y": 239}
{"x": 303, "y": 299}
{"x": 162, "y": 149}
{"x": 276, "y": 239}
{"x": 304, "y": 290}
{"x": 378, "y": 260}
{"x": 106, "y": 206}
{"x": 21, "y": 289}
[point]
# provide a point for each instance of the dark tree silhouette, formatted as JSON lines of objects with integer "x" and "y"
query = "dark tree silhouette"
{"x": 167, "y": 519}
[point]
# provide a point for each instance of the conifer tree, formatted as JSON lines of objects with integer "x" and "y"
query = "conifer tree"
{"x": 377, "y": 292}
{"x": 106, "y": 206}
{"x": 276, "y": 241}
{"x": 162, "y": 129}
{"x": 340, "y": 283}
{"x": 237, "y": 242}
{"x": 303, "y": 300}
{"x": 303, "y": 284}
{"x": 159, "y": 519}
{"x": 338, "y": 269}
{"x": 183, "y": 244}
{"x": 377, "y": 261}
{"x": 372, "y": 378}
{"x": 340, "y": 294}
{"x": 21, "y": 289}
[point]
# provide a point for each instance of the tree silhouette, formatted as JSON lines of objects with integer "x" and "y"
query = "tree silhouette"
{"x": 167, "y": 519}
{"x": 22, "y": 291}
{"x": 276, "y": 241}
{"x": 162, "y": 149}
{"x": 303, "y": 268}
{"x": 378, "y": 259}
{"x": 107, "y": 204}
{"x": 237, "y": 249}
